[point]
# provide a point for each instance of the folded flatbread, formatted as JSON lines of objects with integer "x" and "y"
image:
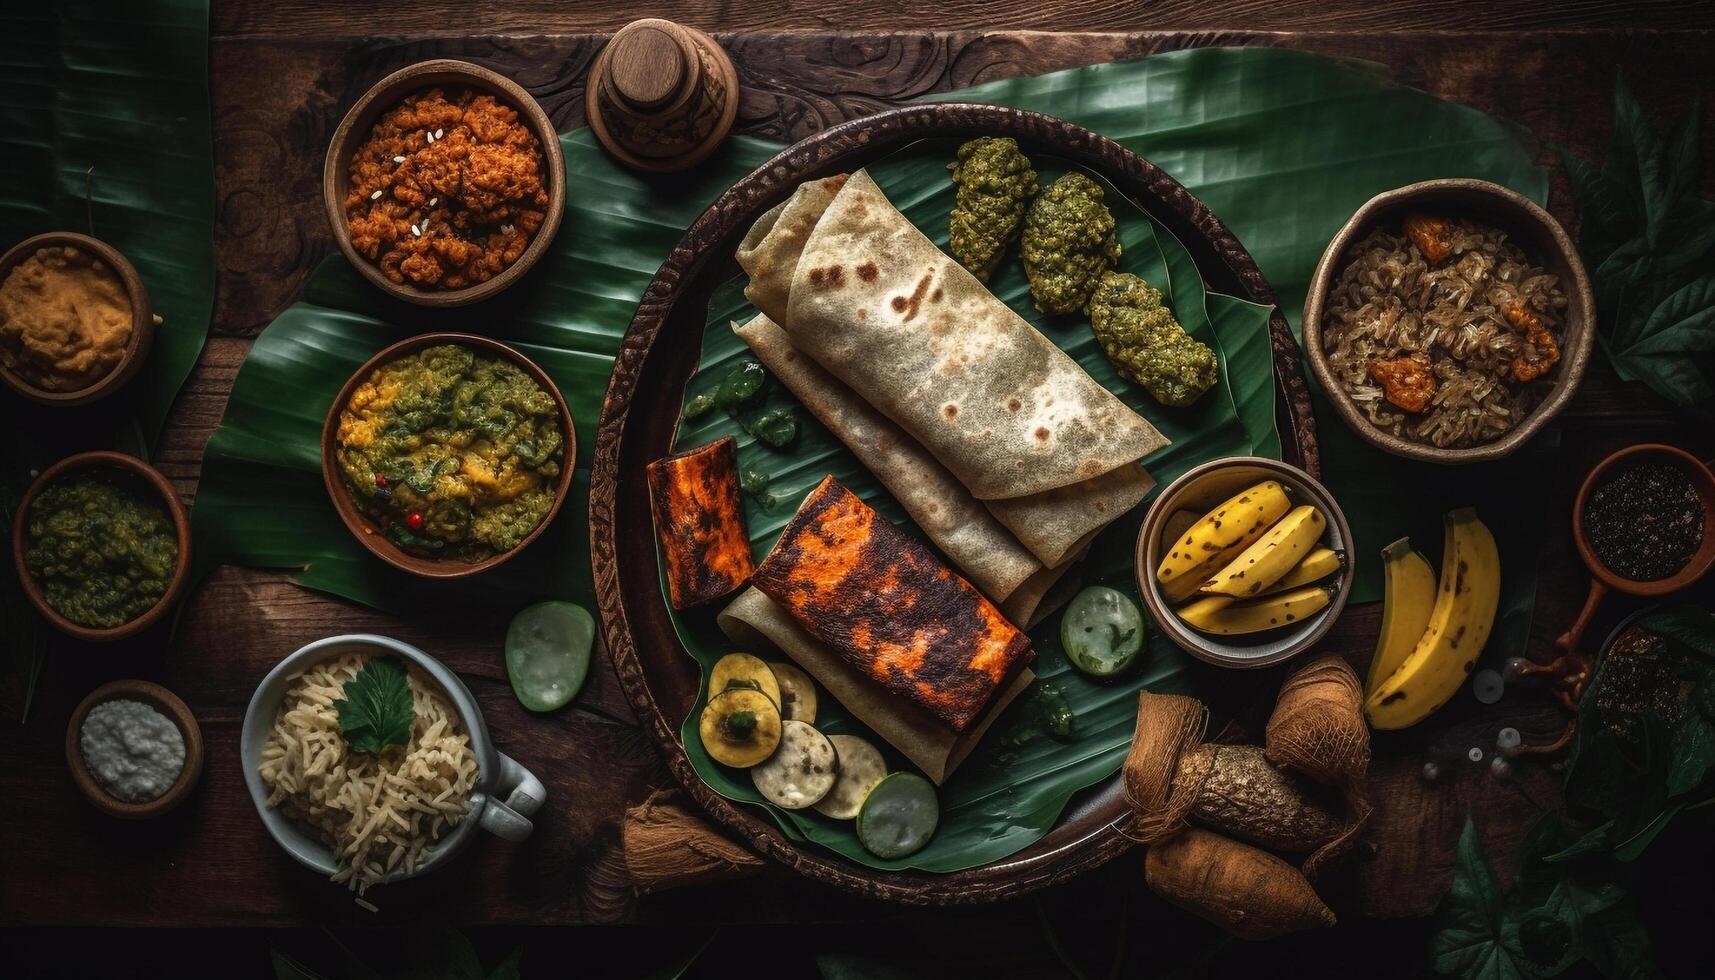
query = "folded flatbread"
{"x": 752, "y": 617}
{"x": 883, "y": 602}
{"x": 971, "y": 538}
{"x": 879, "y": 307}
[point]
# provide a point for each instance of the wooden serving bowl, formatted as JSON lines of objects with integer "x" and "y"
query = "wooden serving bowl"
{"x": 162, "y": 700}
{"x": 1201, "y": 489}
{"x": 639, "y": 415}
{"x": 181, "y": 524}
{"x": 383, "y": 96}
{"x": 359, "y": 523}
{"x": 1542, "y": 239}
{"x": 142, "y": 319}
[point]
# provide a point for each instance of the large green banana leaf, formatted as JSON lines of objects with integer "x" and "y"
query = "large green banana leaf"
{"x": 104, "y": 129}
{"x": 1283, "y": 145}
{"x": 1016, "y": 784}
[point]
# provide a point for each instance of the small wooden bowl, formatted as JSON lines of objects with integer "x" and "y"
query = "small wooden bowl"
{"x": 1543, "y": 240}
{"x": 161, "y": 700}
{"x": 142, "y": 319}
{"x": 359, "y": 524}
{"x": 383, "y": 96}
{"x": 1700, "y": 561}
{"x": 181, "y": 524}
{"x": 1201, "y": 489}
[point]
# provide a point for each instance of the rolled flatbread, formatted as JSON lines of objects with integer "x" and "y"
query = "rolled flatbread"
{"x": 879, "y": 307}
{"x": 971, "y": 538}
{"x": 752, "y": 617}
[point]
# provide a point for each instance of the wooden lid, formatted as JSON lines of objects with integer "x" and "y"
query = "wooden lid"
{"x": 646, "y": 65}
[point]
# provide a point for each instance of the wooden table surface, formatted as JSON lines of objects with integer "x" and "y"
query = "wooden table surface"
{"x": 282, "y": 73}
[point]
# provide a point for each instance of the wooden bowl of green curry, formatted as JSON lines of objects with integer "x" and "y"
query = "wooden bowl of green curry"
{"x": 118, "y": 507}
{"x": 448, "y": 453}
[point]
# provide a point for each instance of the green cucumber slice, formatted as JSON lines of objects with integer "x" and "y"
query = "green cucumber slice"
{"x": 1102, "y": 631}
{"x": 898, "y": 816}
{"x": 548, "y": 653}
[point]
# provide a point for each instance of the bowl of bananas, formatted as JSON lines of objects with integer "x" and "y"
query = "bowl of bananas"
{"x": 1245, "y": 562}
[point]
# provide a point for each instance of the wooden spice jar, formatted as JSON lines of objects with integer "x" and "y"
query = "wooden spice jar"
{"x": 661, "y": 96}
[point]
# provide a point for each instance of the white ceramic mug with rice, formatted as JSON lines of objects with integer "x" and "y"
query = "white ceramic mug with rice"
{"x": 501, "y": 802}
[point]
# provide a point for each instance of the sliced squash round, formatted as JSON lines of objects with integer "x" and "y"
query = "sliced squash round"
{"x": 741, "y": 670}
{"x": 797, "y": 692}
{"x": 861, "y": 767}
{"x": 899, "y": 816}
{"x": 739, "y": 727}
{"x": 801, "y": 771}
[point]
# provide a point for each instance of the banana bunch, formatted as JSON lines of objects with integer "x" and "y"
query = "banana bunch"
{"x": 1251, "y": 564}
{"x": 1432, "y": 634}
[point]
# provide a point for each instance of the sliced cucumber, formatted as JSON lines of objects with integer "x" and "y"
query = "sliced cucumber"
{"x": 801, "y": 771}
{"x": 797, "y": 692}
{"x": 1102, "y": 631}
{"x": 899, "y": 816}
{"x": 741, "y": 670}
{"x": 861, "y": 767}
{"x": 548, "y": 653}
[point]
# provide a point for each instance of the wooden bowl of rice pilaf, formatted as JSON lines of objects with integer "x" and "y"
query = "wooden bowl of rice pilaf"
{"x": 1545, "y": 245}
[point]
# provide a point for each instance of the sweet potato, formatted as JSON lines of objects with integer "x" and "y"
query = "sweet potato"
{"x": 1248, "y": 892}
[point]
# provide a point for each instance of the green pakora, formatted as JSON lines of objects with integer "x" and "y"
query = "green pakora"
{"x": 1147, "y": 345}
{"x": 995, "y": 183}
{"x": 1068, "y": 243}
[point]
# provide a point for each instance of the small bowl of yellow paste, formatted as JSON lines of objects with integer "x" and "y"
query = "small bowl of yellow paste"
{"x": 75, "y": 322}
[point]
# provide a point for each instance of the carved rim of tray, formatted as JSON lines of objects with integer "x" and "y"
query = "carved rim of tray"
{"x": 634, "y": 430}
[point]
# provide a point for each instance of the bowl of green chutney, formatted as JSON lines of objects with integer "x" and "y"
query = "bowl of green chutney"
{"x": 101, "y": 545}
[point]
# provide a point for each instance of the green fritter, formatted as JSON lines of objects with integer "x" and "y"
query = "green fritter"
{"x": 995, "y": 183}
{"x": 1068, "y": 243}
{"x": 1147, "y": 344}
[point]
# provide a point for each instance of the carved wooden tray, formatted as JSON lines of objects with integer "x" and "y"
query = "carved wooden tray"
{"x": 657, "y": 358}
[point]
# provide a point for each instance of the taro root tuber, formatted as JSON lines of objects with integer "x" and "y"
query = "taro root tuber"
{"x": 1169, "y": 778}
{"x": 1246, "y": 891}
{"x": 1318, "y": 729}
{"x": 1241, "y": 794}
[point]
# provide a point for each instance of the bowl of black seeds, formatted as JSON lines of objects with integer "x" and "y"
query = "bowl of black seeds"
{"x": 1644, "y": 520}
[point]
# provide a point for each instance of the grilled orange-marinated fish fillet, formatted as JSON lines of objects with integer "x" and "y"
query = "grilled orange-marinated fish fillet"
{"x": 700, "y": 521}
{"x": 882, "y": 600}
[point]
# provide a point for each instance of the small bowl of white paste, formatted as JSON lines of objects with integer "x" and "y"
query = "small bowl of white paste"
{"x": 134, "y": 748}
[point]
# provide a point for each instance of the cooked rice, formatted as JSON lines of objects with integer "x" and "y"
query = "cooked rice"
{"x": 1389, "y": 303}
{"x": 379, "y": 812}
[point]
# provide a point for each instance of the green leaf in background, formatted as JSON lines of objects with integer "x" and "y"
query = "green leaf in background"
{"x": 1648, "y": 238}
{"x": 1014, "y": 787}
{"x": 104, "y": 120}
{"x": 1478, "y": 940}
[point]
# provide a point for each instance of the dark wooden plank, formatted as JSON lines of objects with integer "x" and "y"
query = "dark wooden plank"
{"x": 335, "y": 18}
{"x": 280, "y": 76}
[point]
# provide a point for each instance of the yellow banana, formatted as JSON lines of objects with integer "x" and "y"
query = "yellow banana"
{"x": 1408, "y": 597}
{"x": 1465, "y": 603}
{"x": 1273, "y": 555}
{"x": 1223, "y": 616}
{"x": 1316, "y": 566}
{"x": 1185, "y": 586}
{"x": 1238, "y": 521}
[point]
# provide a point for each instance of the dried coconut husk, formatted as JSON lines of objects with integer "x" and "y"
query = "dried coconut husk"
{"x": 1244, "y": 890}
{"x": 1170, "y": 778}
{"x": 1167, "y": 725}
{"x": 667, "y": 847}
{"x": 1318, "y": 729}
